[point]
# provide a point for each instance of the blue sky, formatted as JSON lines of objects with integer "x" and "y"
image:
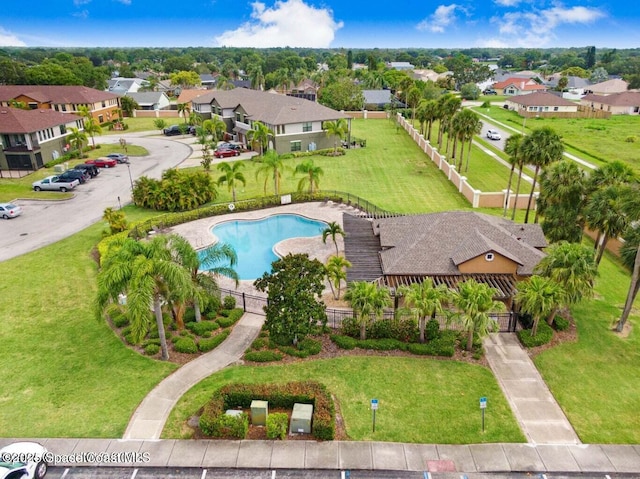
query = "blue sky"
{"x": 321, "y": 23}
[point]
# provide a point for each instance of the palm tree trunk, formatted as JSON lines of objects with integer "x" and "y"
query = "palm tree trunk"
{"x": 422, "y": 324}
{"x": 335, "y": 242}
{"x": 551, "y": 316}
{"x": 333, "y": 291}
{"x": 470, "y": 339}
{"x": 161, "y": 334}
{"x": 633, "y": 292}
{"x": 506, "y": 201}
{"x": 196, "y": 309}
{"x": 603, "y": 246}
{"x": 515, "y": 200}
{"x": 534, "y": 327}
{"x": 468, "y": 156}
{"x": 533, "y": 187}
{"x": 363, "y": 328}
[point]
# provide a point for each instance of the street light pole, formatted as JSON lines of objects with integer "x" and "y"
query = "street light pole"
{"x": 130, "y": 178}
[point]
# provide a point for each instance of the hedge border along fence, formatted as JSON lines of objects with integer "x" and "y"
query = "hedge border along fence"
{"x": 279, "y": 396}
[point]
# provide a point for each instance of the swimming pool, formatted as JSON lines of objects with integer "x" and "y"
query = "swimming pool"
{"x": 254, "y": 240}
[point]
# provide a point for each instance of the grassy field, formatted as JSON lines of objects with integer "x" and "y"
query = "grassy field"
{"x": 136, "y": 125}
{"x": 421, "y": 400}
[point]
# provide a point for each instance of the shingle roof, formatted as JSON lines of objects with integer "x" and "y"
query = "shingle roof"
{"x": 520, "y": 83}
{"x": 377, "y": 96}
{"x": 541, "y": 98}
{"x": 615, "y": 85}
{"x": 146, "y": 97}
{"x": 434, "y": 244}
{"x": 625, "y": 98}
{"x": 58, "y": 94}
{"x": 16, "y": 120}
{"x": 271, "y": 108}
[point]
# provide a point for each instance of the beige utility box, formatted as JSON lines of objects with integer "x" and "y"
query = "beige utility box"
{"x": 259, "y": 412}
{"x": 301, "y": 418}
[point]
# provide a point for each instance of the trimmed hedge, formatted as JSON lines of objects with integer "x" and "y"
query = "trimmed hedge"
{"x": 266, "y": 356}
{"x": 208, "y": 344}
{"x": 543, "y": 336}
{"x": 186, "y": 345}
{"x": 279, "y": 396}
{"x": 307, "y": 347}
{"x": 444, "y": 345}
{"x": 203, "y": 327}
{"x": 229, "y": 302}
{"x": 231, "y": 319}
{"x": 230, "y": 427}
{"x": 344, "y": 342}
{"x": 277, "y": 425}
{"x": 560, "y": 323}
{"x": 151, "y": 349}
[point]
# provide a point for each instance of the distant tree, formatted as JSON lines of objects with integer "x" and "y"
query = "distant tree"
{"x": 185, "y": 79}
{"x": 368, "y": 301}
{"x": 311, "y": 175}
{"x": 77, "y": 138}
{"x": 128, "y": 105}
{"x": 92, "y": 128}
{"x": 260, "y": 134}
{"x": 338, "y": 129}
{"x": 512, "y": 148}
{"x": 562, "y": 83}
{"x": 333, "y": 230}
{"x": 336, "y": 274}
{"x": 183, "y": 110}
{"x": 598, "y": 75}
{"x": 342, "y": 94}
{"x": 590, "y": 57}
{"x": 231, "y": 175}
{"x": 605, "y": 213}
{"x": 271, "y": 164}
{"x": 470, "y": 91}
{"x": 474, "y": 302}
{"x": 160, "y": 124}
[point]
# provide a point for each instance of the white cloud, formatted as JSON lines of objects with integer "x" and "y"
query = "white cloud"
{"x": 440, "y": 19}
{"x": 290, "y": 23}
{"x": 507, "y": 3}
{"x": 81, "y": 14}
{"x": 8, "y": 39}
{"x": 124, "y": 2}
{"x": 79, "y": 3}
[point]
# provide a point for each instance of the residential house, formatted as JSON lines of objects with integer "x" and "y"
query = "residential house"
{"x": 151, "y": 100}
{"x": 296, "y": 123}
{"x": 448, "y": 247}
{"x": 30, "y": 138}
{"x": 541, "y": 103}
{"x": 103, "y": 105}
{"x": 400, "y": 66}
{"x": 576, "y": 86}
{"x": 122, "y": 86}
{"x": 517, "y": 86}
{"x": 623, "y": 103}
{"x": 608, "y": 87}
{"x": 380, "y": 99}
{"x": 209, "y": 80}
{"x": 307, "y": 89}
{"x": 429, "y": 75}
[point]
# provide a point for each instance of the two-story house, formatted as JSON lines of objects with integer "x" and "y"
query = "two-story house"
{"x": 30, "y": 138}
{"x": 517, "y": 86}
{"x": 296, "y": 123}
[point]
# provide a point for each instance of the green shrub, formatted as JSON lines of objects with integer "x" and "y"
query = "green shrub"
{"x": 229, "y": 302}
{"x": 293, "y": 351}
{"x": 312, "y": 346}
{"x": 560, "y": 323}
{"x": 379, "y": 329}
{"x": 344, "y": 342}
{"x": 208, "y": 344}
{"x": 120, "y": 320}
{"x": 186, "y": 345}
{"x": 224, "y": 426}
{"x": 543, "y": 336}
{"x": 263, "y": 356}
{"x": 151, "y": 341}
{"x": 277, "y": 425}
{"x": 445, "y": 345}
{"x": 151, "y": 349}
{"x": 432, "y": 329}
{"x": 387, "y": 344}
{"x": 189, "y": 315}
{"x": 405, "y": 329}
{"x": 631, "y": 139}
{"x": 350, "y": 327}
{"x": 259, "y": 343}
{"x": 203, "y": 327}
{"x": 232, "y": 318}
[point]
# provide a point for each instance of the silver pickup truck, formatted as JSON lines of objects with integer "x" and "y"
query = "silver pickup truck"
{"x": 53, "y": 183}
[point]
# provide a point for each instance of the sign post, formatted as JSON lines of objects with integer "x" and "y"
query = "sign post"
{"x": 483, "y": 406}
{"x": 374, "y": 408}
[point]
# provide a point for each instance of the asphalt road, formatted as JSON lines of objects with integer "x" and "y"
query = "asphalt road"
{"x": 45, "y": 222}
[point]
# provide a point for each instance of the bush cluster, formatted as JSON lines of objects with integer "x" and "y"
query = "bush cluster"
{"x": 265, "y": 356}
{"x": 305, "y": 348}
{"x": 186, "y": 344}
{"x": 279, "y": 396}
{"x": 151, "y": 349}
{"x": 543, "y": 336}
{"x": 443, "y": 345}
{"x": 208, "y": 344}
{"x": 202, "y": 327}
{"x": 277, "y": 425}
{"x": 402, "y": 329}
{"x": 224, "y": 426}
{"x": 229, "y": 302}
{"x": 560, "y": 323}
{"x": 231, "y": 318}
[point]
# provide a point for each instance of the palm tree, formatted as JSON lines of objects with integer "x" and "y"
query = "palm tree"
{"x": 148, "y": 273}
{"x": 469, "y": 125}
{"x": 605, "y": 213}
{"x": 632, "y": 208}
{"x": 312, "y": 175}
{"x": 613, "y": 173}
{"x": 475, "y": 301}
{"x": 256, "y": 77}
{"x": 367, "y": 300}
{"x": 215, "y": 127}
{"x": 425, "y": 300}
{"x": 571, "y": 265}
{"x": 541, "y": 148}
{"x": 337, "y": 129}
{"x": 231, "y": 175}
{"x": 512, "y": 148}
{"x": 413, "y": 98}
{"x": 335, "y": 271}
{"x": 271, "y": 165}
{"x": 77, "y": 138}
{"x": 183, "y": 110}
{"x": 260, "y": 133}
{"x": 538, "y": 296}
{"x": 92, "y": 128}
{"x": 448, "y": 105}
{"x": 333, "y": 229}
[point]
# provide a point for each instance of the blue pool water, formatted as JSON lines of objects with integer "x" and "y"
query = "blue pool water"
{"x": 254, "y": 240}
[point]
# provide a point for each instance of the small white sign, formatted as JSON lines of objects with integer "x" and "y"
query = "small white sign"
{"x": 483, "y": 403}
{"x": 285, "y": 199}
{"x": 374, "y": 404}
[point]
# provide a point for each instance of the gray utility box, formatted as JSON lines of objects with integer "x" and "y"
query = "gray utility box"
{"x": 301, "y": 418}
{"x": 259, "y": 412}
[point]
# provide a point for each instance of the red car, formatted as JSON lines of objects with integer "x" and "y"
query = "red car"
{"x": 102, "y": 162}
{"x": 225, "y": 153}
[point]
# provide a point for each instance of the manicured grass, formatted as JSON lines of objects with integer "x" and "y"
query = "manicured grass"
{"x": 64, "y": 373}
{"x": 143, "y": 124}
{"x": 421, "y": 400}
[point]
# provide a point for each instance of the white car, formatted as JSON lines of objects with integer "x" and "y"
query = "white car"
{"x": 493, "y": 135}
{"x": 23, "y": 460}
{"x": 54, "y": 183}
{"x": 9, "y": 210}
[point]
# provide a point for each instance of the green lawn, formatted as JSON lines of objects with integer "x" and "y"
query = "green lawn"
{"x": 136, "y": 125}
{"x": 421, "y": 400}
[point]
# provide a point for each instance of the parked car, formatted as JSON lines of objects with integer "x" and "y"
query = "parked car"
{"x": 230, "y": 146}
{"x": 102, "y": 162}
{"x": 489, "y": 91}
{"x": 193, "y": 130}
{"x": 172, "y": 130}
{"x": 73, "y": 174}
{"x": 92, "y": 170}
{"x": 225, "y": 153}
{"x": 9, "y": 210}
{"x": 53, "y": 183}
{"x": 23, "y": 460}
{"x": 119, "y": 157}
{"x": 493, "y": 135}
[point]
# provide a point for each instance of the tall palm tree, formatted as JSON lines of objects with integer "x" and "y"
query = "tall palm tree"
{"x": 312, "y": 175}
{"x": 474, "y": 301}
{"x": 469, "y": 125}
{"x": 260, "y": 133}
{"x": 333, "y": 229}
{"x": 605, "y": 213}
{"x": 77, "y": 139}
{"x": 367, "y": 300}
{"x": 632, "y": 207}
{"x": 231, "y": 175}
{"x": 541, "y": 148}
{"x": 256, "y": 76}
{"x": 183, "y": 110}
{"x": 425, "y": 300}
{"x": 337, "y": 129}
{"x": 92, "y": 128}
{"x": 613, "y": 173}
{"x": 448, "y": 105}
{"x": 335, "y": 271}
{"x": 271, "y": 164}
{"x": 512, "y": 148}
{"x": 413, "y": 98}
{"x": 146, "y": 271}
{"x": 538, "y": 296}
{"x": 215, "y": 127}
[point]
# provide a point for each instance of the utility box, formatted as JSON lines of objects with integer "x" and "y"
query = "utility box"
{"x": 259, "y": 412}
{"x": 233, "y": 412}
{"x": 301, "y": 418}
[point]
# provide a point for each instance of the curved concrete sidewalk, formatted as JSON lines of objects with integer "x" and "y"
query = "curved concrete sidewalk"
{"x": 151, "y": 415}
{"x": 540, "y": 417}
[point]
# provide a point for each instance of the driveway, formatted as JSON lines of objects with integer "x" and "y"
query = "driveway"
{"x": 45, "y": 222}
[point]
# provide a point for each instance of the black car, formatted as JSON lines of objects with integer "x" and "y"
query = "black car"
{"x": 172, "y": 130}
{"x": 489, "y": 91}
{"x": 74, "y": 174}
{"x": 91, "y": 170}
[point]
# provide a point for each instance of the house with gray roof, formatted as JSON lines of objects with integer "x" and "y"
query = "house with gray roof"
{"x": 448, "y": 247}
{"x": 30, "y": 138}
{"x": 541, "y": 103}
{"x": 623, "y": 103}
{"x": 297, "y": 124}
{"x": 380, "y": 99}
{"x": 122, "y": 86}
{"x": 151, "y": 100}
